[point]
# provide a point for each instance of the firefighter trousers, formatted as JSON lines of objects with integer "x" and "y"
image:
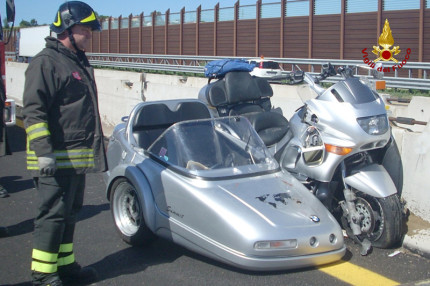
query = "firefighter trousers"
{"x": 60, "y": 199}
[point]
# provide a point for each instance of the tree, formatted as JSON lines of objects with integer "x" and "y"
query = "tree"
{"x": 24, "y": 23}
{"x": 101, "y": 17}
{"x": 5, "y": 24}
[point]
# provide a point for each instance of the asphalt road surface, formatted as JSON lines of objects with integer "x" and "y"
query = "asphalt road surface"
{"x": 163, "y": 263}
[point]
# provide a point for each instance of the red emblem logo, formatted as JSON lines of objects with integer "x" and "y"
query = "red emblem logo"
{"x": 76, "y": 75}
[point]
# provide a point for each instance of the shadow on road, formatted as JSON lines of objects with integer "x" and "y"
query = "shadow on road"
{"x": 16, "y": 135}
{"x": 89, "y": 211}
{"x": 21, "y": 228}
{"x": 27, "y": 226}
{"x": 14, "y": 184}
{"x": 136, "y": 259}
{"x": 133, "y": 260}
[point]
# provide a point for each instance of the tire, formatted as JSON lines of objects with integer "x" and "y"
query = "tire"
{"x": 127, "y": 213}
{"x": 382, "y": 222}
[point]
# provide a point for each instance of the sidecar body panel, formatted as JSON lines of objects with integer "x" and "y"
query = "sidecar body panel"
{"x": 210, "y": 185}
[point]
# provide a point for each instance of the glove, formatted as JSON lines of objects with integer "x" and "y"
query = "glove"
{"x": 47, "y": 166}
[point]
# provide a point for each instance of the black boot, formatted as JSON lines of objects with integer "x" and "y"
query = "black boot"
{"x": 75, "y": 274}
{"x": 46, "y": 279}
{"x": 3, "y": 192}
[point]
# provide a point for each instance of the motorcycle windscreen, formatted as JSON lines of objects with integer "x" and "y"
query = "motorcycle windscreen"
{"x": 353, "y": 91}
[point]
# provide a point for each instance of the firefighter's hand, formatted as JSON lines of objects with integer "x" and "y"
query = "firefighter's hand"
{"x": 47, "y": 166}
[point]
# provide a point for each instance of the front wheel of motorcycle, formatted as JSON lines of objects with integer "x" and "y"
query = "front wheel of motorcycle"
{"x": 381, "y": 220}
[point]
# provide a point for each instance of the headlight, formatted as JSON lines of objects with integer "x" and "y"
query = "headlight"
{"x": 374, "y": 125}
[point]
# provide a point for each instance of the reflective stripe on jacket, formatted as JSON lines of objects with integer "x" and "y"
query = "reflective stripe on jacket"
{"x": 77, "y": 158}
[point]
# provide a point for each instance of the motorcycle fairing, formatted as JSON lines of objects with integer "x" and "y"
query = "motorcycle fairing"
{"x": 373, "y": 180}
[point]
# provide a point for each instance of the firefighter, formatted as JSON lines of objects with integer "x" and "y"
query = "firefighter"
{"x": 64, "y": 141}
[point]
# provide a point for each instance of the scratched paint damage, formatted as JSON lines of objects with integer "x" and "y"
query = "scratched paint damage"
{"x": 275, "y": 199}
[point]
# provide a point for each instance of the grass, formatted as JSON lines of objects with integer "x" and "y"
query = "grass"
{"x": 405, "y": 93}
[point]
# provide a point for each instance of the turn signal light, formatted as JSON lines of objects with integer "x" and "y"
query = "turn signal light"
{"x": 276, "y": 244}
{"x": 338, "y": 150}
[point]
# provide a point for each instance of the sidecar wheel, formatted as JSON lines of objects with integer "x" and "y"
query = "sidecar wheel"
{"x": 382, "y": 220}
{"x": 127, "y": 214}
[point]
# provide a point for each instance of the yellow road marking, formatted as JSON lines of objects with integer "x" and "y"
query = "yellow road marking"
{"x": 356, "y": 275}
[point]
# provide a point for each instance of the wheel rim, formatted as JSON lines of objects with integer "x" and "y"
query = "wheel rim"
{"x": 372, "y": 224}
{"x": 126, "y": 209}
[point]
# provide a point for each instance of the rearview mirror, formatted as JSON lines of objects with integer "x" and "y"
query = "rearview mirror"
{"x": 313, "y": 148}
{"x": 378, "y": 71}
{"x": 10, "y": 11}
{"x": 296, "y": 77}
{"x": 328, "y": 70}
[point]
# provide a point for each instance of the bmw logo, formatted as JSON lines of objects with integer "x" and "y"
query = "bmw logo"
{"x": 314, "y": 218}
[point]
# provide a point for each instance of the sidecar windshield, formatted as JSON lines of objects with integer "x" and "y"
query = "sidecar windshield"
{"x": 218, "y": 147}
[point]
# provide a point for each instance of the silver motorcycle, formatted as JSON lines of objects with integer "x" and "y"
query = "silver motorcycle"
{"x": 338, "y": 144}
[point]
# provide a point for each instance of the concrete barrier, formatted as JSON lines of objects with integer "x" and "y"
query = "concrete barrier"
{"x": 119, "y": 92}
{"x": 414, "y": 145}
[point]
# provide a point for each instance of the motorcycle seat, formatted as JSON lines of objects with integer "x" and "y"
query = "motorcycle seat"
{"x": 153, "y": 119}
{"x": 245, "y": 108}
{"x": 239, "y": 93}
{"x": 270, "y": 126}
{"x": 246, "y": 93}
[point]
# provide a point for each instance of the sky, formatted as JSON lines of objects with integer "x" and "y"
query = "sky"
{"x": 43, "y": 11}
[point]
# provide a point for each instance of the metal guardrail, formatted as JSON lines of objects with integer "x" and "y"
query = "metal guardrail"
{"x": 10, "y": 56}
{"x": 196, "y": 64}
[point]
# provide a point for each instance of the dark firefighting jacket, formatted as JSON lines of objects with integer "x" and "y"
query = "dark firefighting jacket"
{"x": 61, "y": 113}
